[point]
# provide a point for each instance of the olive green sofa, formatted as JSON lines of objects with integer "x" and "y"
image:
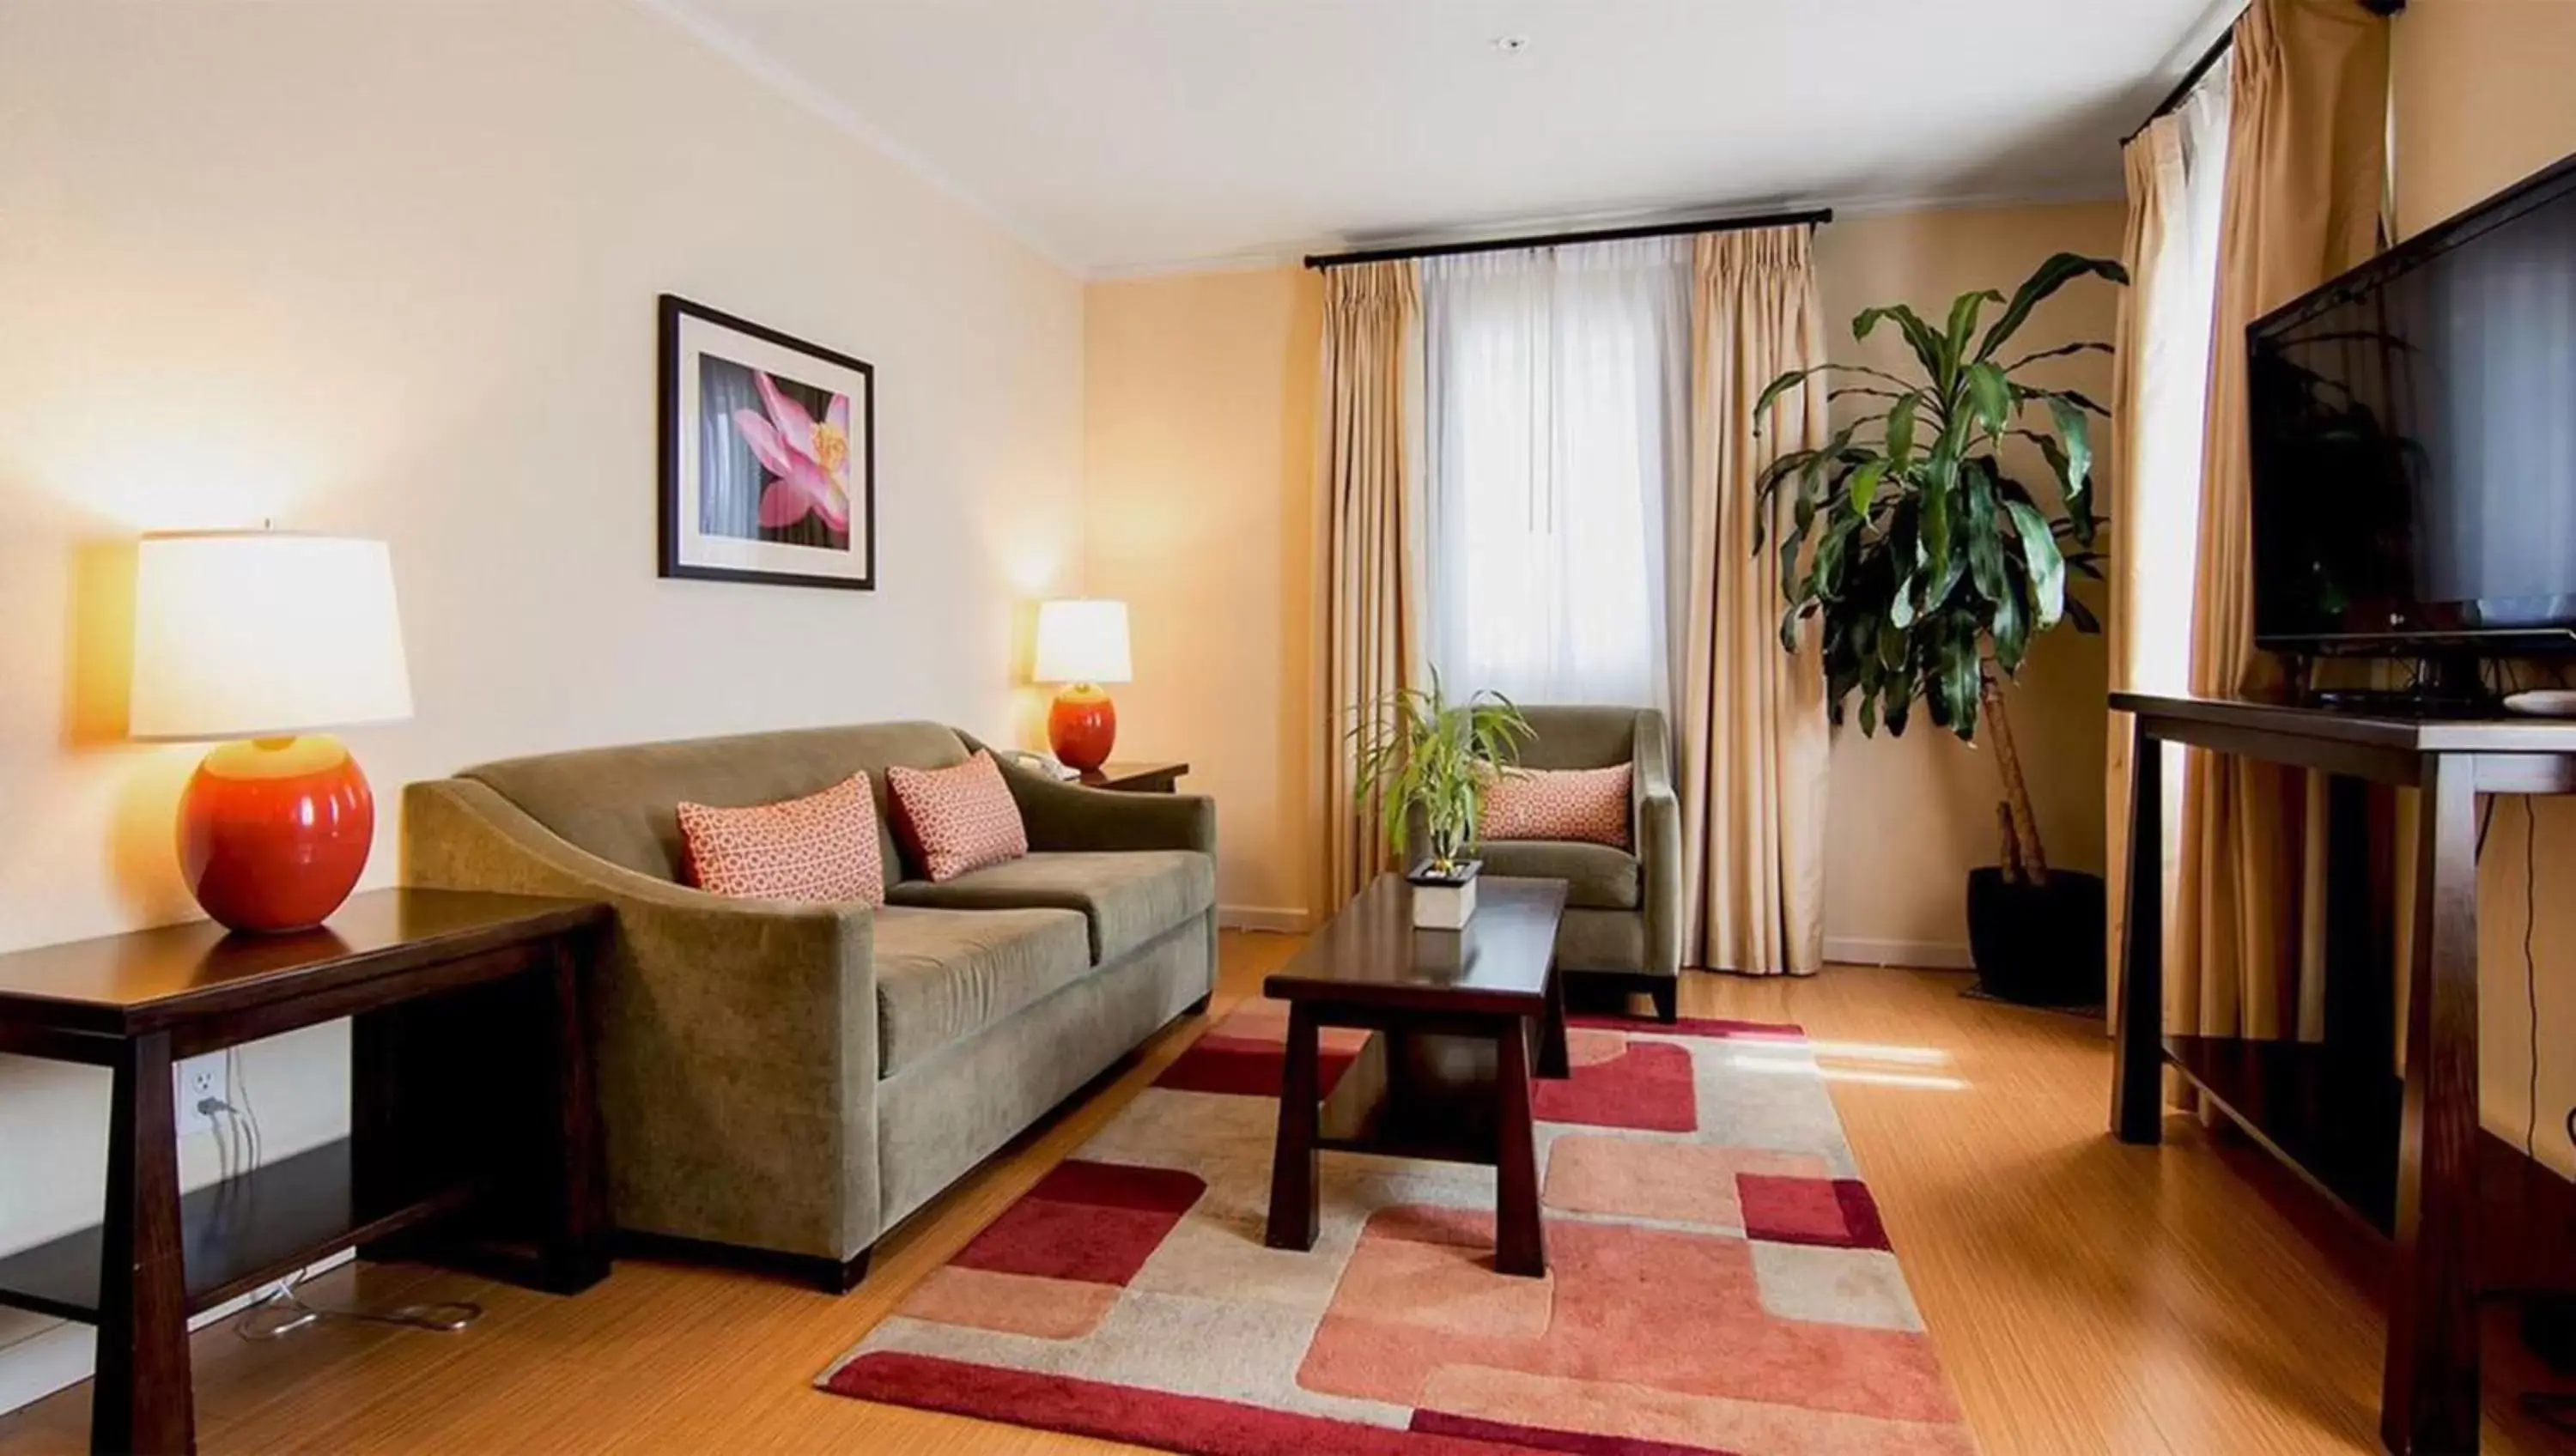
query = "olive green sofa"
{"x": 783, "y": 1082}
{"x": 1623, "y": 916}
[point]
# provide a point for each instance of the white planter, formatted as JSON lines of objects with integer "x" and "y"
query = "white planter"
{"x": 1443, "y": 903}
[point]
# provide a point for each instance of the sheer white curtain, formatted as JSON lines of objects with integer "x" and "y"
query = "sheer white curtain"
{"x": 1558, "y": 415}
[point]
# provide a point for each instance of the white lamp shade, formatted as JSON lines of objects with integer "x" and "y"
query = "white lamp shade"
{"x": 262, "y": 634}
{"x": 1082, "y": 640}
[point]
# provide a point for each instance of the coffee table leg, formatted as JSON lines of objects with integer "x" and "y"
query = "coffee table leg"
{"x": 1520, "y": 1243}
{"x": 1292, "y": 1169}
{"x": 1552, "y": 1061}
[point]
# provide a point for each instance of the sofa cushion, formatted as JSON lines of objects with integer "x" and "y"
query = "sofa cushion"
{"x": 1128, "y": 896}
{"x": 621, "y": 803}
{"x": 943, "y": 975}
{"x": 956, "y": 820}
{"x": 820, "y": 847}
{"x": 1596, "y": 876}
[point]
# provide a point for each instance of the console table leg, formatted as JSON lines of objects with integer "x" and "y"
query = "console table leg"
{"x": 2429, "y": 1399}
{"x": 576, "y": 1255}
{"x": 141, "y": 1400}
{"x": 1292, "y": 1169}
{"x": 2137, "y": 1080}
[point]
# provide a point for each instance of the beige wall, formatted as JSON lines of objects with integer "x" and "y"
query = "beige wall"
{"x": 1200, "y": 467}
{"x": 390, "y": 270}
{"x": 1910, "y": 816}
{"x": 2481, "y": 101}
{"x": 1199, "y": 454}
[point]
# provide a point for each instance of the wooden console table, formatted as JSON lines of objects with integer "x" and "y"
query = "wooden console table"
{"x": 472, "y": 1102}
{"x": 2402, "y": 1154}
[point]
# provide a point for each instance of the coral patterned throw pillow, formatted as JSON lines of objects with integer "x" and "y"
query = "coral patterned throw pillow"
{"x": 957, "y": 819}
{"x": 1573, "y": 803}
{"x": 820, "y": 847}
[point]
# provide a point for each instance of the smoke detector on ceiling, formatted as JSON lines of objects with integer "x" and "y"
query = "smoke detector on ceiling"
{"x": 1511, "y": 45}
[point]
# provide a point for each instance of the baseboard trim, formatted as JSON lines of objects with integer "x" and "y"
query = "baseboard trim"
{"x": 1269, "y": 919}
{"x": 1921, "y": 955}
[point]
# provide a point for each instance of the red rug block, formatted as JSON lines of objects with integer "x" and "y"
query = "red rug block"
{"x": 1719, "y": 1282}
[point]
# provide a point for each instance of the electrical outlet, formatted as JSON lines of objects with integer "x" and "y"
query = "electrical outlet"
{"x": 197, "y": 1079}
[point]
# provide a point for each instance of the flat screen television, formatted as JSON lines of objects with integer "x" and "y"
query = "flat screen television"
{"x": 2413, "y": 427}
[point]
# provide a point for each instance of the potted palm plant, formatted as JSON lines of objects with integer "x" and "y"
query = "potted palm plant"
{"x": 1426, "y": 759}
{"x": 1929, "y": 568}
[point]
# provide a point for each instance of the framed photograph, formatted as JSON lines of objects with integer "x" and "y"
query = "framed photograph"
{"x": 768, "y": 455}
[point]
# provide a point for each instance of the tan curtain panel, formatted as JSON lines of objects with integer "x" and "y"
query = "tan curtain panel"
{"x": 2153, "y": 163}
{"x": 1371, "y": 592}
{"x": 2307, "y": 156}
{"x": 1751, "y": 730}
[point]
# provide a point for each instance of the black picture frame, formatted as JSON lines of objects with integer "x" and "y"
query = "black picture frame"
{"x": 677, "y": 414}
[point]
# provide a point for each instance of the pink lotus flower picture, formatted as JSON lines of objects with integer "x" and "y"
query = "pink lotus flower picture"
{"x": 768, "y": 455}
{"x": 809, "y": 459}
{"x": 775, "y": 457}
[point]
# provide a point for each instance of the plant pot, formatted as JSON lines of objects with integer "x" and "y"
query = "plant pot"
{"x": 1444, "y": 902}
{"x": 2037, "y": 944}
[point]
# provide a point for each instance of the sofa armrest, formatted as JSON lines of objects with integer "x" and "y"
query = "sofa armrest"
{"x": 738, "y": 1038}
{"x": 1659, "y": 843}
{"x": 1065, "y": 816}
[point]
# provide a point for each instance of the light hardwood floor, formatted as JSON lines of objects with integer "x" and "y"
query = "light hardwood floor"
{"x": 2086, "y": 1297}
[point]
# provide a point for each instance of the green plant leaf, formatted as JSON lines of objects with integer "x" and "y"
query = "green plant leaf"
{"x": 1900, "y": 429}
{"x": 1990, "y": 394}
{"x": 2010, "y": 629}
{"x": 2078, "y": 472}
{"x": 1940, "y": 474}
{"x": 2088, "y": 346}
{"x": 2046, "y": 279}
{"x": 1918, "y": 335}
{"x": 2047, "y": 568}
{"x": 1778, "y": 387}
{"x": 1963, "y": 320}
{"x": 1864, "y": 486}
{"x": 1985, "y": 545}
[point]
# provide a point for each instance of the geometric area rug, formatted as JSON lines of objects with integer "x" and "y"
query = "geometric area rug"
{"x": 1719, "y": 1280}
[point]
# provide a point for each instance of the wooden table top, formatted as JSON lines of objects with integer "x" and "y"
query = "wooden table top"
{"x": 1124, "y": 773}
{"x": 1370, "y": 953}
{"x": 127, "y": 983}
{"x": 2377, "y": 729}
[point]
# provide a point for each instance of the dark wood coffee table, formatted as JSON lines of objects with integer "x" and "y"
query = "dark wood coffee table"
{"x": 1447, "y": 1076}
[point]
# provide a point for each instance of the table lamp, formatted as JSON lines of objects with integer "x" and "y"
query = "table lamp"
{"x": 260, "y": 640}
{"x": 1082, "y": 643}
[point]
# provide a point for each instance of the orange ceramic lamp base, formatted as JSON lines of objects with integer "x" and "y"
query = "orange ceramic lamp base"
{"x": 1082, "y": 725}
{"x": 273, "y": 832}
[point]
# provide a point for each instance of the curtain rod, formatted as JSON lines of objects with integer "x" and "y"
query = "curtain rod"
{"x": 2226, "y": 38}
{"x": 1811, "y": 218}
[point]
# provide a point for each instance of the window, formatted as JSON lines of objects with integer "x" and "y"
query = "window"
{"x": 1558, "y": 415}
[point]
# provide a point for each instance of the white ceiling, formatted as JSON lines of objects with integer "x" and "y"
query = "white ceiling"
{"x": 1133, "y": 135}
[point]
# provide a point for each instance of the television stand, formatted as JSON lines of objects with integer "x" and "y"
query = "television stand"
{"x": 2421, "y": 703}
{"x": 2449, "y": 686}
{"x": 2399, "y": 1152}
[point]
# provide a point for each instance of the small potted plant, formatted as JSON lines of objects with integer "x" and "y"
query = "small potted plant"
{"x": 1930, "y": 568}
{"x": 1426, "y": 759}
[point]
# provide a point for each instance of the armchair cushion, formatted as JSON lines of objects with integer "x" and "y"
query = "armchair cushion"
{"x": 943, "y": 976}
{"x": 1128, "y": 897}
{"x": 1566, "y": 803}
{"x": 1596, "y": 876}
